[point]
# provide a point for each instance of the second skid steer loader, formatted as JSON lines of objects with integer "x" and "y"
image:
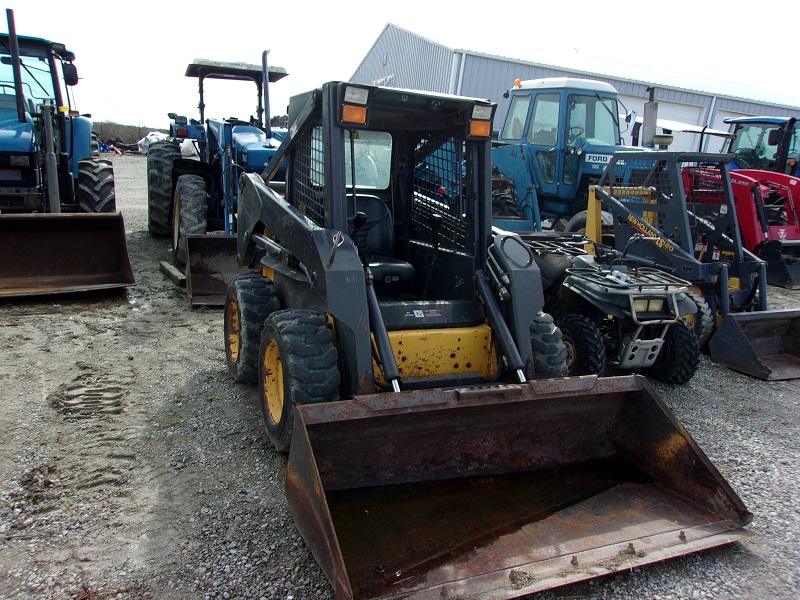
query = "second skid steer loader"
{"x": 404, "y": 362}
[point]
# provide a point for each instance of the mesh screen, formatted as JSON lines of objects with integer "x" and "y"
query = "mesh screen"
{"x": 309, "y": 176}
{"x": 439, "y": 190}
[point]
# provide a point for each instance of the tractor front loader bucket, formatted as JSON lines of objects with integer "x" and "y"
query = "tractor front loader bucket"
{"x": 43, "y": 254}
{"x": 763, "y": 344}
{"x": 501, "y": 491}
{"x": 210, "y": 266}
{"x": 783, "y": 263}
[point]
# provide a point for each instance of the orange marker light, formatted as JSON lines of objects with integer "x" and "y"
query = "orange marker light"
{"x": 354, "y": 114}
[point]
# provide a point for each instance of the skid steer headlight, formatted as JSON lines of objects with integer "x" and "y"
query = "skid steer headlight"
{"x": 354, "y": 108}
{"x": 480, "y": 123}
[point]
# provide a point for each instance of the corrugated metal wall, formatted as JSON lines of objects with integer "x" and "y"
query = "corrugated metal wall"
{"x": 400, "y": 58}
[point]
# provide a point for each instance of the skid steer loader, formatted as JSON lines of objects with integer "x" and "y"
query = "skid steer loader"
{"x": 59, "y": 229}
{"x": 678, "y": 210}
{"x": 404, "y": 362}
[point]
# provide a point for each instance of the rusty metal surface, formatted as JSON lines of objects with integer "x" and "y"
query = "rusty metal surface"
{"x": 44, "y": 254}
{"x": 210, "y": 266}
{"x": 496, "y": 492}
{"x": 763, "y": 344}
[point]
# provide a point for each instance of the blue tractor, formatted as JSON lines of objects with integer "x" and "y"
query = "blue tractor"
{"x": 50, "y": 166}
{"x": 557, "y": 137}
{"x": 194, "y": 201}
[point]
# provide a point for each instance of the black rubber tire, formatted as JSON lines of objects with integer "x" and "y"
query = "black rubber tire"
{"x": 190, "y": 213}
{"x": 703, "y": 321}
{"x": 504, "y": 204}
{"x": 577, "y": 224}
{"x": 160, "y": 157}
{"x": 94, "y": 145}
{"x": 586, "y": 348}
{"x": 297, "y": 357}
{"x": 549, "y": 353}
{"x": 249, "y": 301}
{"x": 679, "y": 356}
{"x": 95, "y": 191}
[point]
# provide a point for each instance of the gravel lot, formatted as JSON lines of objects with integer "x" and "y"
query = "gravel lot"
{"x": 131, "y": 466}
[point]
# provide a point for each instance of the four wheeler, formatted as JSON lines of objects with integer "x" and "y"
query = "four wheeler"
{"x": 613, "y": 310}
{"x": 678, "y": 210}
{"x": 49, "y": 167}
{"x": 405, "y": 363}
{"x": 194, "y": 202}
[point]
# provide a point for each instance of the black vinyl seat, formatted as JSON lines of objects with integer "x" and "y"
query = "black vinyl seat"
{"x": 375, "y": 239}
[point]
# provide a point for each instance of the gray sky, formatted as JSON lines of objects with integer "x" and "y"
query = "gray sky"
{"x": 132, "y": 55}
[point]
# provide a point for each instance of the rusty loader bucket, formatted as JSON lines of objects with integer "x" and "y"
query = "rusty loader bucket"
{"x": 43, "y": 254}
{"x": 763, "y": 344}
{"x": 501, "y": 491}
{"x": 210, "y": 266}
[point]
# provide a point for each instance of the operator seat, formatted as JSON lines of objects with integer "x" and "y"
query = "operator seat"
{"x": 375, "y": 239}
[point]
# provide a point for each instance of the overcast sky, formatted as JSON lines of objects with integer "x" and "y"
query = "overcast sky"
{"x": 132, "y": 55}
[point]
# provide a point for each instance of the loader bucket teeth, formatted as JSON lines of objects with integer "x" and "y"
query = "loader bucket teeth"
{"x": 210, "y": 267}
{"x": 45, "y": 254}
{"x": 765, "y": 344}
{"x": 499, "y": 492}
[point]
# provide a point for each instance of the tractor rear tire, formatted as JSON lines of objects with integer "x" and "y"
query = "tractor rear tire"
{"x": 703, "y": 320}
{"x": 160, "y": 157}
{"x": 679, "y": 356}
{"x": 586, "y": 348}
{"x": 95, "y": 191}
{"x": 549, "y": 353}
{"x": 299, "y": 365}
{"x": 577, "y": 224}
{"x": 190, "y": 214}
{"x": 250, "y": 300}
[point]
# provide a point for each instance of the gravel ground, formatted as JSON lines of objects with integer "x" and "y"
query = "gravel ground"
{"x": 131, "y": 466}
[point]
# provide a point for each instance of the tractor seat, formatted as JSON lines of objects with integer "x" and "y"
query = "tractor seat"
{"x": 375, "y": 239}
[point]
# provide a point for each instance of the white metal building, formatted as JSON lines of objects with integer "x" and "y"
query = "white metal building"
{"x": 401, "y": 58}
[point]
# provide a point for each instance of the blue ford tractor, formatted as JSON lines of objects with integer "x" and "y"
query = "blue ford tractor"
{"x": 558, "y": 135}
{"x": 194, "y": 201}
{"x": 59, "y": 229}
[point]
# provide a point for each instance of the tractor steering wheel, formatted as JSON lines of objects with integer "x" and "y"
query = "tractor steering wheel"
{"x": 574, "y": 133}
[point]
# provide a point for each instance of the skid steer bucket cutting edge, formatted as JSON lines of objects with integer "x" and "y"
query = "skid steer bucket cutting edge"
{"x": 762, "y": 344}
{"x": 43, "y": 254}
{"x": 210, "y": 266}
{"x": 497, "y": 492}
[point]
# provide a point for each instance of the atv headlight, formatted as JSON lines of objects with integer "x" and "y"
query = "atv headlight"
{"x": 648, "y": 305}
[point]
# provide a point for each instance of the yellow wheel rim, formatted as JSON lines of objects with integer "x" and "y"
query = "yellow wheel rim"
{"x": 273, "y": 382}
{"x": 234, "y": 330}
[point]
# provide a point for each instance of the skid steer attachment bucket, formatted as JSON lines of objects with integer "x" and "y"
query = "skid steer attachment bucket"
{"x": 43, "y": 254}
{"x": 210, "y": 266}
{"x": 762, "y": 344}
{"x": 501, "y": 491}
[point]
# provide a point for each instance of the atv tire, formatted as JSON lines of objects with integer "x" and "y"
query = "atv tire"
{"x": 249, "y": 301}
{"x": 160, "y": 157}
{"x": 703, "y": 320}
{"x": 95, "y": 191}
{"x": 586, "y": 349}
{"x": 549, "y": 353}
{"x": 298, "y": 365}
{"x": 679, "y": 356}
{"x": 190, "y": 214}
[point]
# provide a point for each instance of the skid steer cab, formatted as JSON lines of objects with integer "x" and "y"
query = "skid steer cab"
{"x": 404, "y": 361}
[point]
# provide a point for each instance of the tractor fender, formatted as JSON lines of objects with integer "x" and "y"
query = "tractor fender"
{"x": 80, "y": 138}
